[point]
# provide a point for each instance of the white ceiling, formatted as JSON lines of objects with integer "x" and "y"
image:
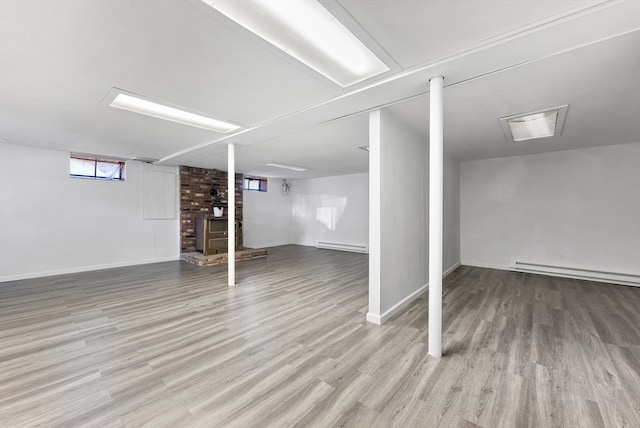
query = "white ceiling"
{"x": 58, "y": 60}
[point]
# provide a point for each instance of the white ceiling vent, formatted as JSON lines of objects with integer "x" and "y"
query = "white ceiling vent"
{"x": 537, "y": 124}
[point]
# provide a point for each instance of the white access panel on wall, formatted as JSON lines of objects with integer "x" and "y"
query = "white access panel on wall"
{"x": 159, "y": 193}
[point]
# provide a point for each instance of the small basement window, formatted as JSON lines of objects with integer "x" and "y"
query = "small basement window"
{"x": 255, "y": 184}
{"x": 82, "y": 166}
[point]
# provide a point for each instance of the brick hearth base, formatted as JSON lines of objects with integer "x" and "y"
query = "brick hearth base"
{"x": 217, "y": 259}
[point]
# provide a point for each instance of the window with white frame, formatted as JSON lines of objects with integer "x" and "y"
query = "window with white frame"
{"x": 255, "y": 184}
{"x": 83, "y": 166}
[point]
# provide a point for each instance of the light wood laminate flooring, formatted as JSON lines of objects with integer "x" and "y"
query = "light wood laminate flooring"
{"x": 170, "y": 345}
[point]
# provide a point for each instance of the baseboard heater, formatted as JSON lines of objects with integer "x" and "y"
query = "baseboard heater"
{"x": 578, "y": 273}
{"x": 342, "y": 247}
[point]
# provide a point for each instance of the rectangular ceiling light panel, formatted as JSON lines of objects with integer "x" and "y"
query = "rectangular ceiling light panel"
{"x": 139, "y": 105}
{"x": 309, "y": 33}
{"x": 539, "y": 124}
{"x": 293, "y": 168}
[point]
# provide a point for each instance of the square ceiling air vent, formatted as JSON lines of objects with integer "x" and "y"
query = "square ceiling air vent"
{"x": 537, "y": 124}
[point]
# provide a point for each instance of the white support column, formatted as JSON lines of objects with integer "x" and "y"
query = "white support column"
{"x": 436, "y": 140}
{"x": 375, "y": 207}
{"x": 231, "y": 214}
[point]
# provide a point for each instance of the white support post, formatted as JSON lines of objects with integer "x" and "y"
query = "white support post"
{"x": 375, "y": 206}
{"x": 436, "y": 140}
{"x": 231, "y": 214}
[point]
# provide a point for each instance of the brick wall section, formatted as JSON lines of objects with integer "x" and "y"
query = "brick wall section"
{"x": 195, "y": 199}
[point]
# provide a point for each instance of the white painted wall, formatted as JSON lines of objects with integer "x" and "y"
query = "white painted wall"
{"x": 267, "y": 216}
{"x": 401, "y": 170}
{"x": 374, "y": 314}
{"x": 575, "y": 208}
{"x": 451, "y": 219}
{"x": 404, "y": 212}
{"x": 51, "y": 223}
{"x": 331, "y": 209}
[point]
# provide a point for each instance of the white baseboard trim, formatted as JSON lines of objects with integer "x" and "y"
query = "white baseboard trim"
{"x": 268, "y": 245}
{"x": 79, "y": 269}
{"x": 484, "y": 265}
{"x": 451, "y": 269}
{"x": 577, "y": 273}
{"x": 373, "y": 318}
{"x": 579, "y": 277}
{"x": 353, "y": 248}
{"x": 380, "y": 319}
{"x": 403, "y": 303}
{"x": 558, "y": 274}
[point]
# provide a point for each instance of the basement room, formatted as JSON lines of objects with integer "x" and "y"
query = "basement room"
{"x": 320, "y": 213}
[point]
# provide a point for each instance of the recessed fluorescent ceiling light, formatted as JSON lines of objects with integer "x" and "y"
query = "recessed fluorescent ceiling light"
{"x": 538, "y": 124}
{"x": 293, "y": 168}
{"x": 160, "y": 111}
{"x": 309, "y": 33}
